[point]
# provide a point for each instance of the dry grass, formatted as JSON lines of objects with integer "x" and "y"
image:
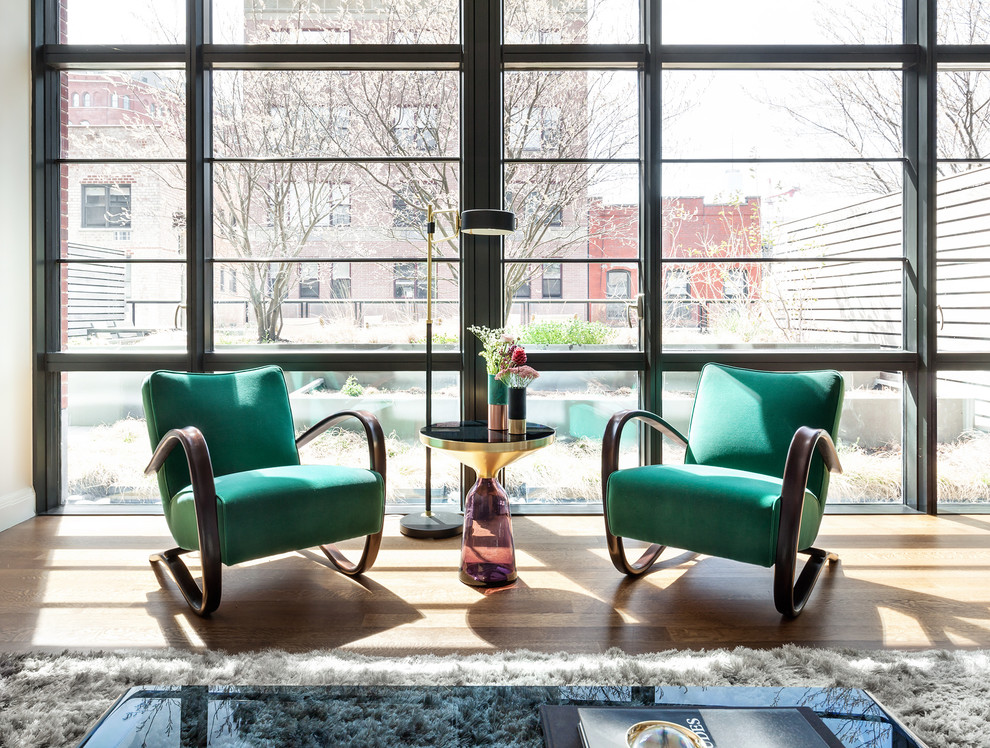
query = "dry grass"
{"x": 106, "y": 465}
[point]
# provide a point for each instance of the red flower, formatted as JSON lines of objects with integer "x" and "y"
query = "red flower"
{"x": 518, "y": 357}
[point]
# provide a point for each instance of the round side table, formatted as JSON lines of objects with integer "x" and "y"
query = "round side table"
{"x": 488, "y": 556}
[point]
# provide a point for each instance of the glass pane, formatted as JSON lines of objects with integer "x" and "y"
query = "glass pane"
{"x": 286, "y": 210}
{"x": 570, "y": 22}
{"x": 302, "y": 113}
{"x": 336, "y": 22}
{"x": 792, "y": 193}
{"x": 131, "y": 211}
{"x": 123, "y": 114}
{"x": 963, "y": 127}
{"x": 963, "y": 439}
{"x": 963, "y": 22}
{"x": 574, "y": 304}
{"x": 397, "y": 400}
{"x": 782, "y": 22}
{"x": 577, "y": 405}
{"x": 114, "y": 22}
{"x": 841, "y": 114}
{"x": 562, "y": 210}
{"x": 963, "y": 259}
{"x": 571, "y": 114}
{"x": 805, "y": 210}
{"x": 368, "y": 303}
{"x": 105, "y": 440}
{"x": 824, "y": 304}
{"x": 868, "y": 442}
{"x": 111, "y": 303}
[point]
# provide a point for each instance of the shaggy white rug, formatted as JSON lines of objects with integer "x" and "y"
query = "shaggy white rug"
{"x": 944, "y": 697}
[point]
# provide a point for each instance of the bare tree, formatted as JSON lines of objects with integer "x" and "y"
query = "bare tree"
{"x": 863, "y": 109}
{"x": 269, "y": 212}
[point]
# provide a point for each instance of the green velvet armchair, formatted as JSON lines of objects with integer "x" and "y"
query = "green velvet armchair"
{"x": 239, "y": 491}
{"x": 753, "y": 484}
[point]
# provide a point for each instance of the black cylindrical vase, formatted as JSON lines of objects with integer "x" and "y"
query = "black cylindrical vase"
{"x": 516, "y": 408}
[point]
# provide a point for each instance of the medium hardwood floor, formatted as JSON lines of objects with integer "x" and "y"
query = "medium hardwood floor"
{"x": 903, "y": 581}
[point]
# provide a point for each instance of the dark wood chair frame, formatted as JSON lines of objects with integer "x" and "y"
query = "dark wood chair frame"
{"x": 789, "y": 596}
{"x": 204, "y": 600}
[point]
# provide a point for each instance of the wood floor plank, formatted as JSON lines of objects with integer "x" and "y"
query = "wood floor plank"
{"x": 904, "y": 581}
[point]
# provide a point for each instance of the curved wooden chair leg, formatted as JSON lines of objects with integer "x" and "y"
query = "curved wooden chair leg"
{"x": 376, "y": 452}
{"x": 610, "y": 463}
{"x": 206, "y": 600}
{"x": 203, "y": 600}
{"x": 789, "y": 596}
{"x": 636, "y": 568}
{"x": 371, "y": 545}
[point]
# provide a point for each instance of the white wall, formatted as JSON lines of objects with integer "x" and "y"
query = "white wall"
{"x": 16, "y": 493}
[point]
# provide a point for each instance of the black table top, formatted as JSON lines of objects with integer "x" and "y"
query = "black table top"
{"x": 330, "y": 715}
{"x": 477, "y": 432}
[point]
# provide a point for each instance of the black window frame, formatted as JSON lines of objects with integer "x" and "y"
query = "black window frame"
{"x": 918, "y": 56}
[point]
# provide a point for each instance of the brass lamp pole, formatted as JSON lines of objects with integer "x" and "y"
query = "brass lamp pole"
{"x": 430, "y": 524}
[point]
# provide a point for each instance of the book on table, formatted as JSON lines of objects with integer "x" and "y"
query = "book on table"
{"x": 714, "y": 727}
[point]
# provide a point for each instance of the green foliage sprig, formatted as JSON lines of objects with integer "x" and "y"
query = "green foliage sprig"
{"x": 496, "y": 344}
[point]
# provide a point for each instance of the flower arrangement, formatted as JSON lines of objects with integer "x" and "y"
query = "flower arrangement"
{"x": 497, "y": 347}
{"x": 517, "y": 373}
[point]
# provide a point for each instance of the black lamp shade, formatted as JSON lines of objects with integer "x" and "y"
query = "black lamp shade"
{"x": 488, "y": 222}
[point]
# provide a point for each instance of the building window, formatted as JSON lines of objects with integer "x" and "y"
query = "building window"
{"x": 87, "y": 99}
{"x": 341, "y": 118}
{"x": 309, "y": 281}
{"x": 113, "y": 100}
{"x": 552, "y": 286}
{"x": 340, "y": 196}
{"x": 416, "y": 127}
{"x": 536, "y": 129}
{"x": 127, "y": 102}
{"x": 618, "y": 285}
{"x": 524, "y": 291}
{"x": 340, "y": 280}
{"x": 405, "y": 215}
{"x": 678, "y": 295}
{"x": 735, "y": 285}
{"x": 106, "y": 206}
{"x": 410, "y": 280}
{"x": 75, "y": 99}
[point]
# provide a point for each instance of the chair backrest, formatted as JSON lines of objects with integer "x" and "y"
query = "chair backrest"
{"x": 244, "y": 416}
{"x": 746, "y": 419}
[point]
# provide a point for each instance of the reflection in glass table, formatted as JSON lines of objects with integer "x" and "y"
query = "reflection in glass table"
{"x": 232, "y": 716}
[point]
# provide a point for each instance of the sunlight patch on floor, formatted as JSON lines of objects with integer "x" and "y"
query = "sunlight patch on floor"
{"x": 902, "y": 630}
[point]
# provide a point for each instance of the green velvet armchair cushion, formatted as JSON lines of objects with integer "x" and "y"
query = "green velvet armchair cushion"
{"x": 725, "y": 499}
{"x": 713, "y": 510}
{"x": 244, "y": 416}
{"x": 328, "y": 503}
{"x": 746, "y": 419}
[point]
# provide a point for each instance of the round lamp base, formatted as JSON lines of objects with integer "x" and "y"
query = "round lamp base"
{"x": 431, "y": 525}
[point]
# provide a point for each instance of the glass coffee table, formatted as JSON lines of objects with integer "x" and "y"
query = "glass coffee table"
{"x": 488, "y": 556}
{"x": 232, "y": 716}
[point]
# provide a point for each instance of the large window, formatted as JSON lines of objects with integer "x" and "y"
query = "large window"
{"x": 760, "y": 185}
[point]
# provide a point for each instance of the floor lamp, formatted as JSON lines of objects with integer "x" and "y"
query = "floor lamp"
{"x": 430, "y": 524}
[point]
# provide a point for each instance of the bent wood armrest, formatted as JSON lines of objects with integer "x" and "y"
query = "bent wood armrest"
{"x": 610, "y": 463}
{"x": 789, "y": 596}
{"x": 376, "y": 450}
{"x": 613, "y": 434}
{"x": 372, "y": 430}
{"x": 193, "y": 443}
